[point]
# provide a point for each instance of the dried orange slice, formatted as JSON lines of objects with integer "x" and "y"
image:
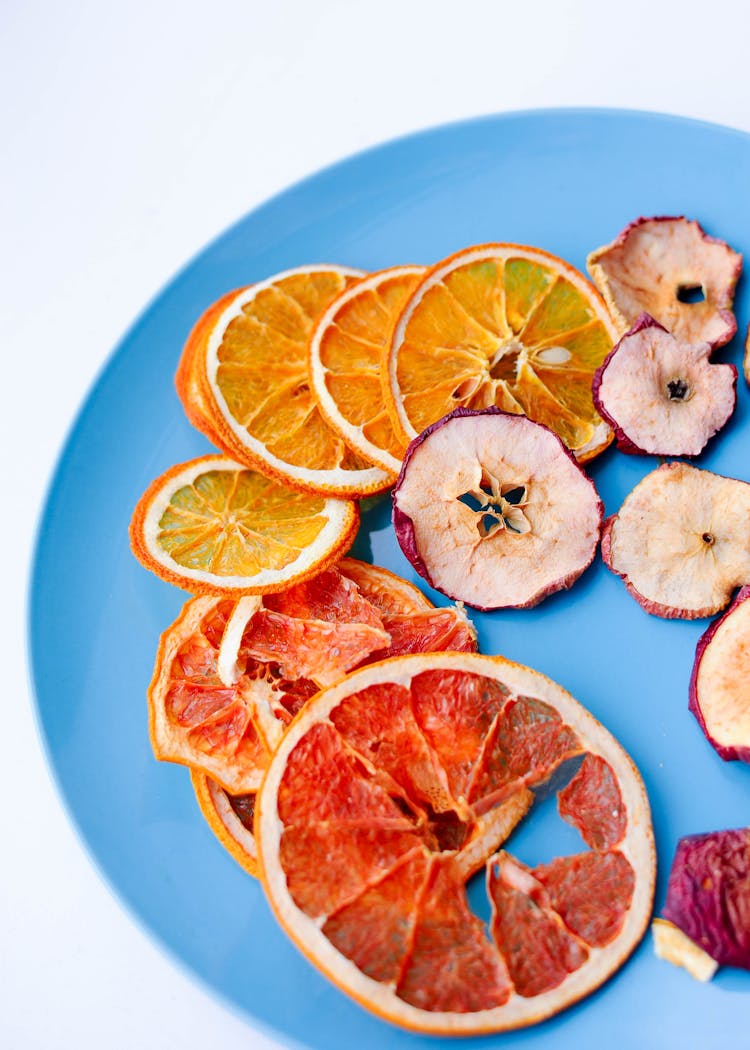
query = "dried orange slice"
{"x": 406, "y": 777}
{"x": 212, "y": 526}
{"x": 231, "y": 673}
{"x": 346, "y": 357}
{"x": 243, "y": 379}
{"x": 503, "y": 325}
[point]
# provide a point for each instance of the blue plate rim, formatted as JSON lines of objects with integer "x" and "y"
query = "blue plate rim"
{"x": 275, "y": 200}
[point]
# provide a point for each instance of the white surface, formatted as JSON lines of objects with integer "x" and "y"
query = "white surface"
{"x": 131, "y": 135}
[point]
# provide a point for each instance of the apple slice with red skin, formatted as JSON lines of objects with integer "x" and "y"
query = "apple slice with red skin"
{"x": 680, "y": 541}
{"x": 669, "y": 267}
{"x": 662, "y": 396}
{"x": 720, "y": 682}
{"x": 708, "y": 895}
{"x": 492, "y": 510}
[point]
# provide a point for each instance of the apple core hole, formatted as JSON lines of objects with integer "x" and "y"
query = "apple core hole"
{"x": 677, "y": 390}
{"x": 691, "y": 293}
{"x": 708, "y": 538}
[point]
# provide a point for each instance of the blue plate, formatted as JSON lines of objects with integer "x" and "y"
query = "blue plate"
{"x": 566, "y": 181}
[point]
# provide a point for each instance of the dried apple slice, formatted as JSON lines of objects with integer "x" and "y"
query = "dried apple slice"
{"x": 746, "y": 359}
{"x": 661, "y": 395}
{"x": 680, "y": 541}
{"x": 493, "y": 510}
{"x": 708, "y": 899}
{"x": 670, "y": 268}
{"x": 720, "y": 682}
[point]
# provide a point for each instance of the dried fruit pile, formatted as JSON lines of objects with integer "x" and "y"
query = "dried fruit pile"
{"x": 479, "y": 387}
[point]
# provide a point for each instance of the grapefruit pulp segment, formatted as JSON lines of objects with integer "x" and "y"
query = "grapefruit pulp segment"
{"x": 394, "y": 928}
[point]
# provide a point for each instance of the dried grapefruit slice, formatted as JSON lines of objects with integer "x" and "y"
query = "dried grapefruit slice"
{"x": 347, "y": 350}
{"x": 212, "y": 526}
{"x": 492, "y": 509}
{"x": 388, "y": 776}
{"x": 230, "y": 817}
{"x": 243, "y": 379}
{"x": 503, "y": 325}
{"x": 223, "y": 712}
{"x": 668, "y": 267}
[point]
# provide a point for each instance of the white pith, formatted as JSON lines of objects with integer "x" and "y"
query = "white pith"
{"x": 242, "y": 614}
{"x": 244, "y": 839}
{"x": 335, "y": 478}
{"x": 502, "y": 253}
{"x": 354, "y": 435}
{"x": 637, "y": 846}
{"x": 338, "y": 513}
{"x": 723, "y": 680}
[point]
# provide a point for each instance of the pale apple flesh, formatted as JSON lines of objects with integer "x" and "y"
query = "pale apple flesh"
{"x": 680, "y": 541}
{"x": 492, "y": 510}
{"x": 662, "y": 396}
{"x": 668, "y": 267}
{"x": 720, "y": 682}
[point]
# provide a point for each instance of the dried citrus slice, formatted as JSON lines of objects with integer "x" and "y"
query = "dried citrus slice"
{"x": 230, "y": 674}
{"x": 212, "y": 526}
{"x": 503, "y": 325}
{"x": 230, "y": 817}
{"x": 406, "y": 777}
{"x": 347, "y": 350}
{"x": 243, "y": 379}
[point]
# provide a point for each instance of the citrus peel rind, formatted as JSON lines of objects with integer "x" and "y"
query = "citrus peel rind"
{"x": 663, "y": 396}
{"x": 213, "y": 526}
{"x": 219, "y": 810}
{"x": 708, "y": 894}
{"x": 654, "y": 263}
{"x": 502, "y": 325}
{"x": 348, "y": 349}
{"x": 720, "y": 681}
{"x": 244, "y": 382}
{"x": 680, "y": 541}
{"x": 493, "y": 510}
{"x": 386, "y": 917}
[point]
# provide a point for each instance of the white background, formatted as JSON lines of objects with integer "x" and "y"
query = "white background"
{"x": 131, "y": 134}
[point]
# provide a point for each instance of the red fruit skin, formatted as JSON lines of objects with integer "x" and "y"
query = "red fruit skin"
{"x": 727, "y": 316}
{"x": 729, "y": 754}
{"x": 404, "y": 526}
{"x": 708, "y": 895}
{"x": 624, "y": 443}
{"x": 644, "y": 321}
